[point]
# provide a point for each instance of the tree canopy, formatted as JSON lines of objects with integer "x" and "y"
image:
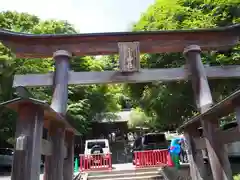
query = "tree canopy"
{"x": 174, "y": 102}
{"x": 85, "y": 102}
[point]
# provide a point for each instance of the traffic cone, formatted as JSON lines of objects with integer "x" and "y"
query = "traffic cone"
{"x": 76, "y": 165}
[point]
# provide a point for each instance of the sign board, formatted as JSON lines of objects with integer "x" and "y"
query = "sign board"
{"x": 129, "y": 56}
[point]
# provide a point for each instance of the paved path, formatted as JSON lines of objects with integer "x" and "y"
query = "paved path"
{"x": 126, "y": 166}
{"x": 115, "y": 167}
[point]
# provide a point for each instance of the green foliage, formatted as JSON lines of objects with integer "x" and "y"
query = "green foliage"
{"x": 78, "y": 116}
{"x": 85, "y": 102}
{"x": 139, "y": 119}
{"x": 110, "y": 62}
{"x": 236, "y": 177}
{"x": 172, "y": 103}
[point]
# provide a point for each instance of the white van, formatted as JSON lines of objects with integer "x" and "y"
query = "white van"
{"x": 97, "y": 151}
{"x": 97, "y": 146}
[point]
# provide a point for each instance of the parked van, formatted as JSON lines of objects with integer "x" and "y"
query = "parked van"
{"x": 150, "y": 141}
{"x": 97, "y": 146}
{"x": 98, "y": 150}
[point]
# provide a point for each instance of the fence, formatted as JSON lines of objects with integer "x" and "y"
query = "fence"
{"x": 95, "y": 162}
{"x": 150, "y": 158}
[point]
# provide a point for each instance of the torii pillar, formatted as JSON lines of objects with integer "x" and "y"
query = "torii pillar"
{"x": 218, "y": 157}
{"x": 55, "y": 163}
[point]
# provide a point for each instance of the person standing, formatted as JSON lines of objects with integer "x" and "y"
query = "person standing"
{"x": 183, "y": 153}
{"x": 175, "y": 150}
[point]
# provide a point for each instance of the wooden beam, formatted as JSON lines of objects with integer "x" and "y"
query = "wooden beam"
{"x": 228, "y": 136}
{"x": 33, "y": 46}
{"x": 200, "y": 143}
{"x": 217, "y": 152}
{"x": 54, "y": 163}
{"x": 219, "y": 110}
{"x": 198, "y": 170}
{"x": 145, "y": 75}
{"x": 69, "y": 160}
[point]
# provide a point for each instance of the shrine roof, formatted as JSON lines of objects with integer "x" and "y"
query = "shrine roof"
{"x": 43, "y": 45}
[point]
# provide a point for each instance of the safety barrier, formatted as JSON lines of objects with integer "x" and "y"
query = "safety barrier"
{"x": 95, "y": 162}
{"x": 150, "y": 158}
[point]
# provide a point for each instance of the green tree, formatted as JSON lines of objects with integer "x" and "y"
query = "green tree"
{"x": 139, "y": 119}
{"x": 173, "y": 102}
{"x": 85, "y": 102}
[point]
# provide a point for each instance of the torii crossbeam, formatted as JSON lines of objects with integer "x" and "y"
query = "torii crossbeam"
{"x": 129, "y": 45}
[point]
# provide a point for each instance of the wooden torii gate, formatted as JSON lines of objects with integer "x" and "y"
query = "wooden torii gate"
{"x": 33, "y": 114}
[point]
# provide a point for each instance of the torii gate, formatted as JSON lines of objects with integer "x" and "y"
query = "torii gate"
{"x": 129, "y": 45}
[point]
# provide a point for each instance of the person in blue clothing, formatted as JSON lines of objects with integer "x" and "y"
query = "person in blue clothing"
{"x": 175, "y": 150}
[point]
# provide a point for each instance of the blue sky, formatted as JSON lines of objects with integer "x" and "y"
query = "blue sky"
{"x": 85, "y": 15}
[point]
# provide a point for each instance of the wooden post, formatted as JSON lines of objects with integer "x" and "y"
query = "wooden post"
{"x": 218, "y": 157}
{"x": 54, "y": 163}
{"x": 69, "y": 161}
{"x": 198, "y": 169}
{"x": 217, "y": 153}
{"x": 26, "y": 162}
{"x": 57, "y": 158}
{"x": 200, "y": 85}
{"x": 60, "y": 81}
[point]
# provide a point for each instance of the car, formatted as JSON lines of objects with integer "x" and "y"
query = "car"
{"x": 149, "y": 141}
{"x": 97, "y": 151}
{"x": 6, "y": 157}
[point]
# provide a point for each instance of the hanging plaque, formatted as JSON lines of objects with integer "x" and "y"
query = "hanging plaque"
{"x": 129, "y": 56}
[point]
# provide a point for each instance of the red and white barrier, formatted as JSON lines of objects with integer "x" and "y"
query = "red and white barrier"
{"x": 150, "y": 158}
{"x": 95, "y": 162}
